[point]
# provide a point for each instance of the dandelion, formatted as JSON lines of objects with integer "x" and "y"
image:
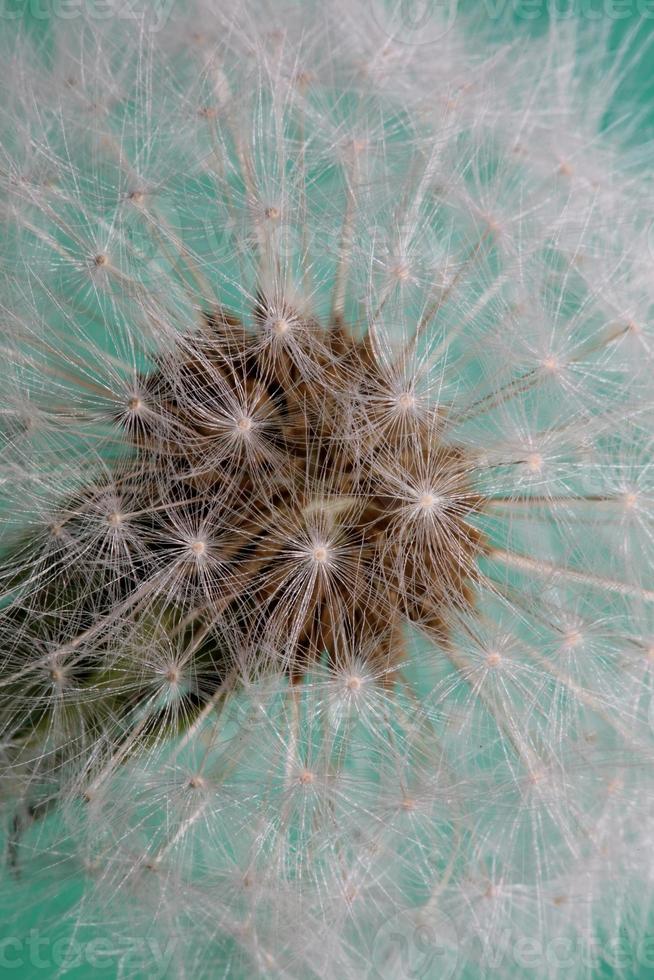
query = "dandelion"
{"x": 326, "y": 595}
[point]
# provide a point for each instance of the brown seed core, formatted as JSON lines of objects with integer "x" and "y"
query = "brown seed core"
{"x": 322, "y": 555}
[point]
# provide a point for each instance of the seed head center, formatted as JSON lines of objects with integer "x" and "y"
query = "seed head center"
{"x": 534, "y": 462}
{"x": 573, "y": 638}
{"x": 280, "y": 326}
{"x": 402, "y": 272}
{"x": 630, "y": 500}
{"x": 428, "y": 501}
{"x": 406, "y": 401}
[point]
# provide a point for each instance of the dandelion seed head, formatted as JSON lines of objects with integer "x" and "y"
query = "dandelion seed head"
{"x": 406, "y": 401}
{"x": 631, "y": 500}
{"x": 535, "y": 462}
{"x": 572, "y": 638}
{"x": 552, "y": 364}
{"x": 326, "y": 477}
{"x": 320, "y": 554}
{"x": 244, "y": 424}
{"x": 280, "y": 326}
{"x": 429, "y": 502}
{"x": 401, "y": 272}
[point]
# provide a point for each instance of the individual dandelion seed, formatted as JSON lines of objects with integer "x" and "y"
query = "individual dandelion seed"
{"x": 326, "y": 606}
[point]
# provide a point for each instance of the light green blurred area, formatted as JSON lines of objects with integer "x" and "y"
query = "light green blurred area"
{"x": 38, "y": 944}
